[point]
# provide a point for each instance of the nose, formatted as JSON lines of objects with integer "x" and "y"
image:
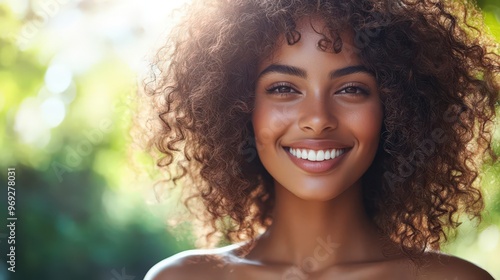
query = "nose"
{"x": 316, "y": 116}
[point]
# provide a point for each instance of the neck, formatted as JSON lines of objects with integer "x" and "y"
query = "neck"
{"x": 319, "y": 234}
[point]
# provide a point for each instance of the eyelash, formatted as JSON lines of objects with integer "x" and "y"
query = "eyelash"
{"x": 360, "y": 90}
{"x": 273, "y": 89}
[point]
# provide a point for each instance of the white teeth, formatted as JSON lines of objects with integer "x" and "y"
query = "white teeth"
{"x": 304, "y": 154}
{"x": 313, "y": 155}
{"x": 320, "y": 155}
{"x": 328, "y": 155}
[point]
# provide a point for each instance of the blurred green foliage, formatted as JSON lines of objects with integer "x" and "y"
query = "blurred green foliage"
{"x": 78, "y": 215}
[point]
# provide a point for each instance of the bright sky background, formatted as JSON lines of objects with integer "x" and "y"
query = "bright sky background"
{"x": 71, "y": 36}
{"x": 78, "y": 31}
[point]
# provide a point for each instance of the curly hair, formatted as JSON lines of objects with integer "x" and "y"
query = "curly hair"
{"x": 437, "y": 74}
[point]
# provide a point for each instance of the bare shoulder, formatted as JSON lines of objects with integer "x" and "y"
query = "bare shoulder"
{"x": 442, "y": 266}
{"x": 192, "y": 264}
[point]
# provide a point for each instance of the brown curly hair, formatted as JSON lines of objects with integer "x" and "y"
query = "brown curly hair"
{"x": 437, "y": 73}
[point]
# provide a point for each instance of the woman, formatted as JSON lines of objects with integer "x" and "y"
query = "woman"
{"x": 332, "y": 139}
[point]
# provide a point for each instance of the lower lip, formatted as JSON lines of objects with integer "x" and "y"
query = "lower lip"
{"x": 316, "y": 166}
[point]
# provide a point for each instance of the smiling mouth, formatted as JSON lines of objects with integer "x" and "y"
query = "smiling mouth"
{"x": 315, "y": 155}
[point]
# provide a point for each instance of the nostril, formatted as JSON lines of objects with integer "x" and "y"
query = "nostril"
{"x": 316, "y": 116}
{"x": 318, "y": 126}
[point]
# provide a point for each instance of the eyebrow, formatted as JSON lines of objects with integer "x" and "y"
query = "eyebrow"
{"x": 349, "y": 70}
{"x": 295, "y": 71}
{"x": 284, "y": 69}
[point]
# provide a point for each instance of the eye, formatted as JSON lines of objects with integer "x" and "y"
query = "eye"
{"x": 353, "y": 89}
{"x": 282, "y": 89}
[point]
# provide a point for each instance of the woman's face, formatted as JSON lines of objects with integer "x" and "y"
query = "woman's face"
{"x": 317, "y": 117}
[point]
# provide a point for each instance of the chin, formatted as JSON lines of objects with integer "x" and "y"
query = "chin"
{"x": 317, "y": 191}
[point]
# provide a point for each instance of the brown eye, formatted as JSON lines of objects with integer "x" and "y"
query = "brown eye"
{"x": 281, "y": 89}
{"x": 352, "y": 89}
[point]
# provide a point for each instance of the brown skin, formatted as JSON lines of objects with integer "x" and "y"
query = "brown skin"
{"x": 320, "y": 228}
{"x": 439, "y": 107}
{"x": 205, "y": 264}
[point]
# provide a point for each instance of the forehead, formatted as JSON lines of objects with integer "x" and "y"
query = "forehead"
{"x": 312, "y": 31}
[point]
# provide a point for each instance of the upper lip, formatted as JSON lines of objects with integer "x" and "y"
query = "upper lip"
{"x": 317, "y": 144}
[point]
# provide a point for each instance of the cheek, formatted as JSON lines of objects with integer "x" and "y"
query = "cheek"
{"x": 368, "y": 124}
{"x": 269, "y": 122}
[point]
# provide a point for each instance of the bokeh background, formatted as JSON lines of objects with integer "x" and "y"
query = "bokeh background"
{"x": 68, "y": 75}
